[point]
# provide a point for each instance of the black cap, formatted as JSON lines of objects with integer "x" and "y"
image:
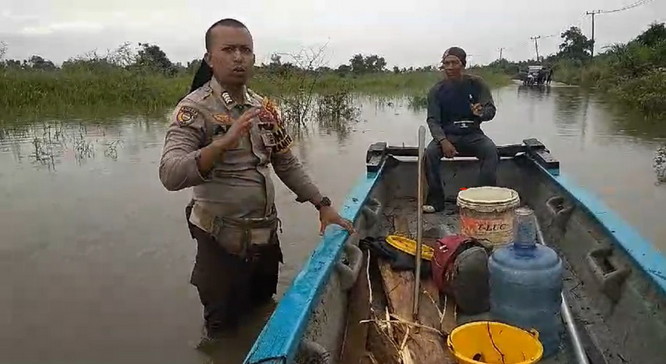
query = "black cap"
{"x": 458, "y": 52}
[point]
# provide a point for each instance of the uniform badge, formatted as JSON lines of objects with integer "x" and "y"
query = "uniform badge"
{"x": 227, "y": 98}
{"x": 222, "y": 118}
{"x": 280, "y": 140}
{"x": 224, "y": 121}
{"x": 269, "y": 113}
{"x": 186, "y": 115}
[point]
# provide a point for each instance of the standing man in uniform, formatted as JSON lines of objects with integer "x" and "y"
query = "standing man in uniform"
{"x": 456, "y": 107}
{"x": 220, "y": 142}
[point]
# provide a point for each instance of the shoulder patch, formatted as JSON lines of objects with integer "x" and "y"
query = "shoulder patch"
{"x": 269, "y": 113}
{"x": 186, "y": 115}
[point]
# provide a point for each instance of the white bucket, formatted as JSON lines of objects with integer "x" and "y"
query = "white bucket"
{"x": 488, "y": 213}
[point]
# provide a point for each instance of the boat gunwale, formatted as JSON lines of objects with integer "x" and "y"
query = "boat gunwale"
{"x": 643, "y": 253}
{"x": 278, "y": 342}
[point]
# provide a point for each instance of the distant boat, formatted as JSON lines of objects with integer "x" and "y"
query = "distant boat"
{"x": 615, "y": 281}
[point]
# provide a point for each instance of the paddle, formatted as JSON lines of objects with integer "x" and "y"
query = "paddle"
{"x": 419, "y": 224}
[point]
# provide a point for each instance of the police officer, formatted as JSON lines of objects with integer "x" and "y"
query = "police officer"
{"x": 221, "y": 140}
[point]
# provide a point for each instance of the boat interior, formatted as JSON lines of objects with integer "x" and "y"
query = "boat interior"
{"x": 617, "y": 311}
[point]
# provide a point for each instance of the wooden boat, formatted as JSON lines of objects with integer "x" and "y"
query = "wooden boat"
{"x": 614, "y": 286}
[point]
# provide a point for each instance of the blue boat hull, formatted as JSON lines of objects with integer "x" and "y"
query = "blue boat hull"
{"x": 616, "y": 281}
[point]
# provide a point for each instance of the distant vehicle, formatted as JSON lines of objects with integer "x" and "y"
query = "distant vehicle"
{"x": 536, "y": 75}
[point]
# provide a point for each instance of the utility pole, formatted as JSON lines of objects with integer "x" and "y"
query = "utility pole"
{"x": 536, "y": 45}
{"x": 593, "y": 13}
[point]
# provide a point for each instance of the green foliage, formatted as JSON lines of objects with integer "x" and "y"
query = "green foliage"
{"x": 145, "y": 79}
{"x": 575, "y": 45}
{"x": 633, "y": 73}
{"x": 367, "y": 64}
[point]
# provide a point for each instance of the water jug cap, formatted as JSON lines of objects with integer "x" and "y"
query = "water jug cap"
{"x": 525, "y": 229}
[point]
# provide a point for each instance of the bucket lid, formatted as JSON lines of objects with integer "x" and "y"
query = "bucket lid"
{"x": 488, "y": 196}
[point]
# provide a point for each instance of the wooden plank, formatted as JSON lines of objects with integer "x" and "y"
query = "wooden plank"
{"x": 358, "y": 309}
{"x": 383, "y": 348}
{"x": 425, "y": 346}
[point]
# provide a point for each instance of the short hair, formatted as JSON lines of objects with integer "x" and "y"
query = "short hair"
{"x": 227, "y": 22}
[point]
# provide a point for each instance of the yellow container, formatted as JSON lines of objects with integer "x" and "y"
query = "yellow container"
{"x": 487, "y": 214}
{"x": 408, "y": 246}
{"x": 488, "y": 342}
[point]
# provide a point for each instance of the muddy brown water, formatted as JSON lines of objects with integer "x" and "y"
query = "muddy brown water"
{"x": 96, "y": 256}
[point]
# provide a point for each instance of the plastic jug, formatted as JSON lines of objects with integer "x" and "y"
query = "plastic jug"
{"x": 526, "y": 283}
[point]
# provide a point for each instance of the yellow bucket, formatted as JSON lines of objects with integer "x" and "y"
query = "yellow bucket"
{"x": 488, "y": 342}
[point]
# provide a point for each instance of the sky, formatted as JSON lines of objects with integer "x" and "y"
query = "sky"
{"x": 405, "y": 33}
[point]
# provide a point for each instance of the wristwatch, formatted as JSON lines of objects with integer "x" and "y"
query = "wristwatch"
{"x": 325, "y": 201}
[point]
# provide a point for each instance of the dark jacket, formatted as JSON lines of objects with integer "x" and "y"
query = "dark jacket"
{"x": 450, "y": 101}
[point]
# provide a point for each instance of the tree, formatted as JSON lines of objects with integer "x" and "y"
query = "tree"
{"x": 39, "y": 63}
{"x": 193, "y": 65}
{"x": 654, "y": 35}
{"x": 360, "y": 64}
{"x": 357, "y": 64}
{"x": 152, "y": 57}
{"x": 3, "y": 50}
{"x": 576, "y": 45}
{"x": 343, "y": 69}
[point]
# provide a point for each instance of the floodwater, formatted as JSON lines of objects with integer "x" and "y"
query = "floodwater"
{"x": 96, "y": 256}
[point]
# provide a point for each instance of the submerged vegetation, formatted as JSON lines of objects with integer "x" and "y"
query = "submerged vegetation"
{"x": 145, "y": 79}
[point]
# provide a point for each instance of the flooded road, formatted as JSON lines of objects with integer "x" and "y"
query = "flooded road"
{"x": 95, "y": 252}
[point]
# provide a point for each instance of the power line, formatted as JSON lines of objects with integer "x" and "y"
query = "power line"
{"x": 630, "y": 6}
{"x": 627, "y": 7}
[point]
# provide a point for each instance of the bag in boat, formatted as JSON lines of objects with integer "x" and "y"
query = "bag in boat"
{"x": 399, "y": 260}
{"x": 460, "y": 270}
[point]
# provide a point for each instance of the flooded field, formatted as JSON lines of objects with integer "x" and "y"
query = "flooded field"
{"x": 95, "y": 252}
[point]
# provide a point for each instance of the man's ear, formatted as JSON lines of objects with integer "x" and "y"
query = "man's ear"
{"x": 207, "y": 58}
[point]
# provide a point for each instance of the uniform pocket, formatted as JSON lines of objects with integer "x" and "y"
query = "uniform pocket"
{"x": 231, "y": 238}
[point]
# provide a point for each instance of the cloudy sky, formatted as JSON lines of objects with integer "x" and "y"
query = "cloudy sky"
{"x": 406, "y": 33}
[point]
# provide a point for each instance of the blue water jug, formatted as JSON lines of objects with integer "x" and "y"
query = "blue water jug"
{"x": 526, "y": 284}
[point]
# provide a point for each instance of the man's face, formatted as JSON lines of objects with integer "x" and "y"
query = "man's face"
{"x": 231, "y": 55}
{"x": 452, "y": 66}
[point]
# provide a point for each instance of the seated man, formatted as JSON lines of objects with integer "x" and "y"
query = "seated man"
{"x": 456, "y": 107}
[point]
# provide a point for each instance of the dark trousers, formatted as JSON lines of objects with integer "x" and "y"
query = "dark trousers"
{"x": 476, "y": 144}
{"x": 230, "y": 286}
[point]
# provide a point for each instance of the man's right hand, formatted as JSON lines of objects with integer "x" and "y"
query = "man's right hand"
{"x": 214, "y": 151}
{"x": 448, "y": 149}
{"x": 238, "y": 129}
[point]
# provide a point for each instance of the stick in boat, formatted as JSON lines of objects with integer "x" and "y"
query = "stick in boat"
{"x": 419, "y": 225}
{"x": 581, "y": 357}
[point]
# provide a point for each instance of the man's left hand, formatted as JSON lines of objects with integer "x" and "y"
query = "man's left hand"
{"x": 328, "y": 215}
{"x": 477, "y": 109}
